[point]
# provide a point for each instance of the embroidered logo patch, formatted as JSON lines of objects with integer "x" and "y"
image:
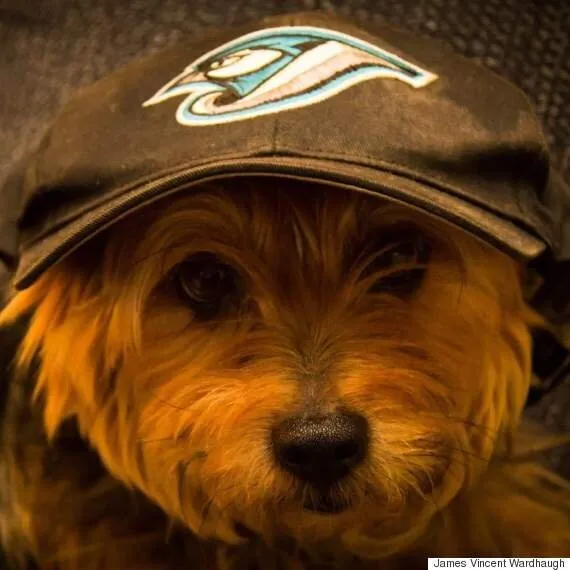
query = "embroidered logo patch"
{"x": 273, "y": 70}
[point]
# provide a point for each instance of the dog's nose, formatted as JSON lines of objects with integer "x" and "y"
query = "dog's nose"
{"x": 321, "y": 449}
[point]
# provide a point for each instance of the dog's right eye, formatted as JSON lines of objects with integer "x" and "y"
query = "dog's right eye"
{"x": 207, "y": 285}
{"x": 402, "y": 257}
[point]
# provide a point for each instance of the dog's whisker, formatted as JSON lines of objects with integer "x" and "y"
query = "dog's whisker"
{"x": 470, "y": 423}
{"x": 158, "y": 440}
{"x": 463, "y": 451}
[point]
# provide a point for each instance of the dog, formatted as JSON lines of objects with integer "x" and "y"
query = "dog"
{"x": 276, "y": 360}
{"x": 290, "y": 377}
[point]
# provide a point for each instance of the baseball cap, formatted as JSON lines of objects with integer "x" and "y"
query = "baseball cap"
{"x": 305, "y": 96}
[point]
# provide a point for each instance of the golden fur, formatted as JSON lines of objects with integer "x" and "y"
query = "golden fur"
{"x": 179, "y": 411}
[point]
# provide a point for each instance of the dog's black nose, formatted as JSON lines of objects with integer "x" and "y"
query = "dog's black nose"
{"x": 321, "y": 449}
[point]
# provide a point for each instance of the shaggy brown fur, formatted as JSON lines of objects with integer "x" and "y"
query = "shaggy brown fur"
{"x": 147, "y": 442}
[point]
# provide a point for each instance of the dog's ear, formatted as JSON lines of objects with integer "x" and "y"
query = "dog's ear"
{"x": 65, "y": 336}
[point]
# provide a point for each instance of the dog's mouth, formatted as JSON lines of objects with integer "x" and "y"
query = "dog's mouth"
{"x": 325, "y": 503}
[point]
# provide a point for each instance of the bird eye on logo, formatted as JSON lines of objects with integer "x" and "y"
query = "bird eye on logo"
{"x": 273, "y": 70}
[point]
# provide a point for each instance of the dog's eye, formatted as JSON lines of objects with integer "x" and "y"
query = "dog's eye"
{"x": 401, "y": 262}
{"x": 208, "y": 285}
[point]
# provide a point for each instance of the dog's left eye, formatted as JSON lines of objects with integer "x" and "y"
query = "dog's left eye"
{"x": 207, "y": 284}
{"x": 400, "y": 262}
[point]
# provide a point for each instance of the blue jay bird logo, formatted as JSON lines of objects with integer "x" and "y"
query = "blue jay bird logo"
{"x": 277, "y": 69}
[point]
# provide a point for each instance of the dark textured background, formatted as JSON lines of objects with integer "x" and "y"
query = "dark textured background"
{"x": 49, "y": 47}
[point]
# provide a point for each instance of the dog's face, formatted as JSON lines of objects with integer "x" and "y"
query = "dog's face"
{"x": 288, "y": 358}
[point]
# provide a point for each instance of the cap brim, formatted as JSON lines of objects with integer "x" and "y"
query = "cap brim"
{"x": 502, "y": 233}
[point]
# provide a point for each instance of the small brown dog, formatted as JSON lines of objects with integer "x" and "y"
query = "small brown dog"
{"x": 270, "y": 373}
{"x": 309, "y": 372}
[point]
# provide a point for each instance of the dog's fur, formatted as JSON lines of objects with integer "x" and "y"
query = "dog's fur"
{"x": 178, "y": 470}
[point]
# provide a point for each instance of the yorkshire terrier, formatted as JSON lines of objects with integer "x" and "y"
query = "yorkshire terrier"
{"x": 264, "y": 374}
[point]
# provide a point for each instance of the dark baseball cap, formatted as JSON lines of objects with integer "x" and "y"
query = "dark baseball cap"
{"x": 303, "y": 96}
